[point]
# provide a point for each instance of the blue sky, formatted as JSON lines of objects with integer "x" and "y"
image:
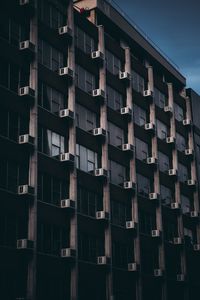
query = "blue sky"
{"x": 174, "y": 25}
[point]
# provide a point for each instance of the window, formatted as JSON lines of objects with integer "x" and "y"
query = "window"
{"x": 89, "y": 202}
{"x": 85, "y": 118}
{"x": 84, "y": 80}
{"x": 143, "y": 185}
{"x": 137, "y": 82}
{"x": 147, "y": 222}
{"x": 142, "y": 151}
{"x": 83, "y": 41}
{"x": 49, "y": 56}
{"x": 120, "y": 212}
{"x": 139, "y": 115}
{"x": 113, "y": 63}
{"x": 162, "y": 130}
{"x": 182, "y": 172}
{"x": 166, "y": 195}
{"x": 90, "y": 247}
{"x": 163, "y": 162}
{"x": 52, "y": 14}
{"x": 160, "y": 98}
{"x": 115, "y": 99}
{"x": 50, "y": 142}
{"x": 122, "y": 254}
{"x": 180, "y": 142}
{"x": 185, "y": 204}
{"x": 115, "y": 135}
{"x": 178, "y": 112}
{"x": 86, "y": 159}
{"x": 189, "y": 236}
{"x": 117, "y": 173}
{"x": 170, "y": 228}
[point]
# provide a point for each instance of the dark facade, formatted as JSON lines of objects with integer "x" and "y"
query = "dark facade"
{"x": 99, "y": 164}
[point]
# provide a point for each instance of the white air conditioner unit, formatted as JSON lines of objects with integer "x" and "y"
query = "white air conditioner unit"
{"x": 170, "y": 140}
{"x": 124, "y": 75}
{"x": 98, "y": 93}
{"x": 102, "y": 260}
{"x": 100, "y": 172}
{"x": 149, "y": 126}
{"x": 177, "y": 241}
{"x": 194, "y": 214}
{"x": 153, "y": 196}
{"x": 65, "y": 30}
{"x": 25, "y": 2}
{"x": 152, "y": 160}
{"x": 67, "y": 252}
{"x": 189, "y": 151}
{"x": 26, "y": 139}
{"x": 67, "y": 157}
{"x": 27, "y": 45}
{"x": 66, "y": 113}
{"x": 99, "y": 132}
{"x": 66, "y": 71}
{"x": 158, "y": 273}
{"x": 126, "y": 111}
{"x": 187, "y": 122}
{"x": 128, "y": 147}
{"x": 196, "y": 247}
{"x": 168, "y": 109}
{"x": 102, "y": 215}
{"x": 25, "y": 190}
{"x": 25, "y": 244}
{"x": 26, "y": 91}
{"x": 175, "y": 205}
{"x": 129, "y": 185}
{"x": 132, "y": 267}
{"x": 155, "y": 233}
{"x": 67, "y": 203}
{"x": 97, "y": 55}
{"x": 191, "y": 182}
{"x": 172, "y": 172}
{"x": 180, "y": 277}
{"x": 130, "y": 225}
{"x": 148, "y": 93}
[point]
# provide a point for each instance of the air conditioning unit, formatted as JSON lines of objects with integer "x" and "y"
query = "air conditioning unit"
{"x": 26, "y": 139}
{"x": 132, "y": 267}
{"x": 128, "y": 147}
{"x": 102, "y": 215}
{"x": 26, "y": 91}
{"x": 153, "y": 196}
{"x": 27, "y": 45}
{"x": 98, "y": 93}
{"x": 97, "y": 55}
{"x": 158, "y": 273}
{"x": 189, "y": 152}
{"x": 175, "y": 205}
{"x": 149, "y": 126}
{"x": 66, "y": 113}
{"x": 99, "y": 132}
{"x": 100, "y": 172}
{"x": 191, "y": 182}
{"x": 66, "y": 71}
{"x": 187, "y": 122}
{"x": 177, "y": 241}
{"x": 148, "y": 94}
{"x": 25, "y": 244}
{"x": 194, "y": 214}
{"x": 196, "y": 247}
{"x": 65, "y": 30}
{"x": 124, "y": 75}
{"x": 67, "y": 203}
{"x": 127, "y": 111}
{"x": 180, "y": 277}
{"x": 130, "y": 225}
{"x": 155, "y": 233}
{"x": 67, "y": 157}
{"x": 172, "y": 172}
{"x": 67, "y": 252}
{"x": 25, "y": 190}
{"x": 170, "y": 140}
{"x": 25, "y": 2}
{"x": 152, "y": 160}
{"x": 129, "y": 185}
{"x": 102, "y": 260}
{"x": 168, "y": 109}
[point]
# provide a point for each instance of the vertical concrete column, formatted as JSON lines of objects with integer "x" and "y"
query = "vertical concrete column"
{"x": 33, "y": 123}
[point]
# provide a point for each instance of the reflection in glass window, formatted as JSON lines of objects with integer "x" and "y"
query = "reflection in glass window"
{"x": 160, "y": 98}
{"x": 84, "y": 79}
{"x": 139, "y": 115}
{"x": 115, "y": 135}
{"x": 163, "y": 162}
{"x": 113, "y": 63}
{"x": 141, "y": 149}
{"x": 50, "y": 142}
{"x": 86, "y": 159}
{"x": 182, "y": 172}
{"x": 83, "y": 41}
{"x": 117, "y": 173}
{"x": 143, "y": 185}
{"x": 185, "y": 204}
{"x": 166, "y": 195}
{"x": 180, "y": 142}
{"x": 85, "y": 118}
{"x": 115, "y": 99}
{"x": 178, "y": 112}
{"x": 162, "y": 130}
{"x": 137, "y": 82}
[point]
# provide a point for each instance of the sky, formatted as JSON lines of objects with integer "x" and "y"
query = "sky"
{"x": 174, "y": 25}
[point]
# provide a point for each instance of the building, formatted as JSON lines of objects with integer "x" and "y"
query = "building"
{"x": 99, "y": 164}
